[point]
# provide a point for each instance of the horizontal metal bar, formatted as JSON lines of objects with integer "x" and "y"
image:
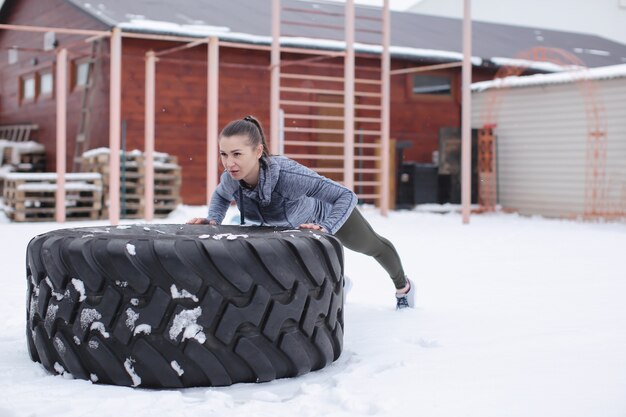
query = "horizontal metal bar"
{"x": 313, "y": 130}
{"x": 368, "y": 119}
{"x": 310, "y": 77}
{"x": 327, "y": 92}
{"x": 367, "y": 158}
{"x": 366, "y": 81}
{"x": 312, "y": 91}
{"x": 66, "y": 31}
{"x": 367, "y": 107}
{"x": 311, "y": 60}
{"x": 426, "y": 68}
{"x": 367, "y": 170}
{"x": 366, "y": 183}
{"x": 313, "y": 117}
{"x": 311, "y": 104}
{"x": 320, "y": 157}
{"x": 368, "y": 132}
{"x": 328, "y": 170}
{"x": 330, "y": 144}
{"x": 180, "y": 48}
{"x": 368, "y": 196}
{"x": 313, "y": 143}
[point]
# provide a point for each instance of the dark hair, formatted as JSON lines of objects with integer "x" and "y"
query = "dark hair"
{"x": 247, "y": 126}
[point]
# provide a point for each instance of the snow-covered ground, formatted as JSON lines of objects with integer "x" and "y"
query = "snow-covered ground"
{"x": 516, "y": 317}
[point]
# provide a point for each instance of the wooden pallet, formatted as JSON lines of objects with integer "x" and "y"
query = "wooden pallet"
{"x": 32, "y": 196}
{"x": 167, "y": 181}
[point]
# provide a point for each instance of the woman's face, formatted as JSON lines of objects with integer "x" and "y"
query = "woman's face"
{"x": 240, "y": 159}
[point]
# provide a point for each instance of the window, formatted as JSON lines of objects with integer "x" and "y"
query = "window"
{"x": 81, "y": 73}
{"x": 439, "y": 85}
{"x": 46, "y": 84}
{"x": 28, "y": 87}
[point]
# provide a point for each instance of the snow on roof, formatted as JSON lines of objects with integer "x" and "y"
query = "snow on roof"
{"x": 224, "y": 33}
{"x": 52, "y": 176}
{"x": 602, "y": 73}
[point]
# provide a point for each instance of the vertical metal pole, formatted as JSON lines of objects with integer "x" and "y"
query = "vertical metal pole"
{"x": 115, "y": 115}
{"x": 386, "y": 102}
{"x": 61, "y": 139}
{"x": 348, "y": 138}
{"x": 212, "y": 115}
{"x": 149, "y": 132}
{"x": 275, "y": 79}
{"x": 466, "y": 128}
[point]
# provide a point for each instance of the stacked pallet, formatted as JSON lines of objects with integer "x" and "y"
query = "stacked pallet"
{"x": 32, "y": 196}
{"x": 20, "y": 157}
{"x": 167, "y": 181}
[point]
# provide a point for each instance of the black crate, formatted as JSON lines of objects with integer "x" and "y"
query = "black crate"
{"x": 417, "y": 184}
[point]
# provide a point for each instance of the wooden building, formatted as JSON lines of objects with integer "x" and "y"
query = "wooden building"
{"x": 560, "y": 142}
{"x": 422, "y": 103}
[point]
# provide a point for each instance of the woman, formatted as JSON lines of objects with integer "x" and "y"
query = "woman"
{"x": 277, "y": 191}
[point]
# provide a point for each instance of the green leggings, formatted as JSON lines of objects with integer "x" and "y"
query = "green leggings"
{"x": 356, "y": 234}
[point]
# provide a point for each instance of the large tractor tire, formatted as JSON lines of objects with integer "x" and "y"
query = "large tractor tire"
{"x": 184, "y": 305}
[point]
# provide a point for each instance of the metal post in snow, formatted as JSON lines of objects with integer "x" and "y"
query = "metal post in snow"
{"x": 275, "y": 79}
{"x": 212, "y": 115}
{"x": 385, "y": 117}
{"x": 115, "y": 115}
{"x": 149, "y": 132}
{"x": 466, "y": 128}
{"x": 348, "y": 161}
{"x": 61, "y": 132}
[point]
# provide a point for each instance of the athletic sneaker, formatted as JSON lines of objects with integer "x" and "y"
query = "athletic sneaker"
{"x": 406, "y": 300}
{"x": 347, "y": 285}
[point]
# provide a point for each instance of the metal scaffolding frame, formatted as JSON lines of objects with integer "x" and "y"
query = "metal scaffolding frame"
{"x": 350, "y": 93}
{"x": 303, "y": 100}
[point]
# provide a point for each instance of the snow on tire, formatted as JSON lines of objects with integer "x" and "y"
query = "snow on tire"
{"x": 184, "y": 305}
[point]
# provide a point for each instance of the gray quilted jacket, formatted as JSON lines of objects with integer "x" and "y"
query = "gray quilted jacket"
{"x": 288, "y": 194}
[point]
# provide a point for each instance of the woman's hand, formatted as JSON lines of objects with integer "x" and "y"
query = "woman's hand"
{"x": 312, "y": 226}
{"x": 201, "y": 220}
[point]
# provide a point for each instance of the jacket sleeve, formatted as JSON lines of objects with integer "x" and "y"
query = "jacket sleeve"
{"x": 221, "y": 198}
{"x": 305, "y": 182}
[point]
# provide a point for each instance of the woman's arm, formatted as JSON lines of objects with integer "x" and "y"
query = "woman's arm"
{"x": 300, "y": 181}
{"x": 220, "y": 201}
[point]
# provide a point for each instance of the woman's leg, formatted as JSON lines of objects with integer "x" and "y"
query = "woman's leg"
{"x": 356, "y": 234}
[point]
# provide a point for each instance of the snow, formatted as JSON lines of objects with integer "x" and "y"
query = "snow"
{"x": 80, "y": 287}
{"x": 185, "y": 322}
{"x": 130, "y": 248}
{"x": 19, "y": 148}
{"x": 69, "y": 186}
{"x": 152, "y": 26}
{"x": 128, "y": 365}
{"x": 205, "y": 31}
{"x": 229, "y": 236}
{"x": 52, "y": 176}
{"x": 182, "y": 294}
{"x": 131, "y": 318}
{"x": 576, "y": 75}
{"x": 143, "y": 328}
{"x": 515, "y": 317}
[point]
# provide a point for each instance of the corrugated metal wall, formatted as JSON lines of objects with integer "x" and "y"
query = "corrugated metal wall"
{"x": 542, "y": 139}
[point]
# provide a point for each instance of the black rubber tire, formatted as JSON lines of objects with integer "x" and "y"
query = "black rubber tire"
{"x": 181, "y": 306}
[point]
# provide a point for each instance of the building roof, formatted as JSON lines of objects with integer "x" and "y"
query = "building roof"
{"x": 413, "y": 36}
{"x": 601, "y": 73}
